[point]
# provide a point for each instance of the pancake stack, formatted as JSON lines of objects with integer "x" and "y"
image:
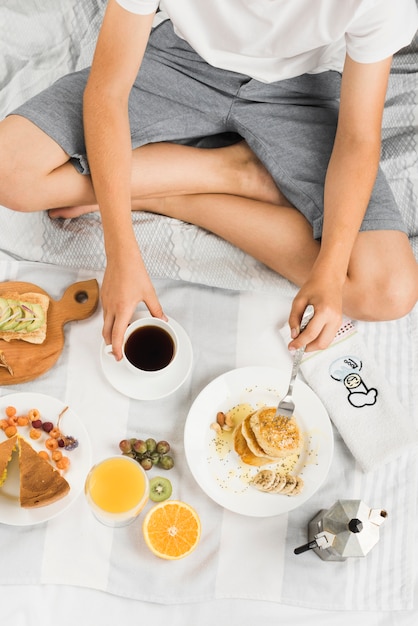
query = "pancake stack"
{"x": 262, "y": 438}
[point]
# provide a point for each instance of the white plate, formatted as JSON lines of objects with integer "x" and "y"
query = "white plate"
{"x": 213, "y": 461}
{"x": 10, "y": 510}
{"x": 154, "y": 388}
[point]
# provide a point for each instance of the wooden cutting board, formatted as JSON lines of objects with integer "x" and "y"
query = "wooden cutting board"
{"x": 28, "y": 360}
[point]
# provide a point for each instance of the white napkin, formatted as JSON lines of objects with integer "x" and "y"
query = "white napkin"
{"x": 360, "y": 402}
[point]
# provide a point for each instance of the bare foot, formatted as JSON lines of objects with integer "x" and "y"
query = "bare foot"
{"x": 72, "y": 211}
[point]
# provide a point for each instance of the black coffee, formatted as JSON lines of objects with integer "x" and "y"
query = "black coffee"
{"x": 149, "y": 348}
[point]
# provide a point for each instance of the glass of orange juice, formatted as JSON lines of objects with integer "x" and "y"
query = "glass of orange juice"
{"x": 117, "y": 490}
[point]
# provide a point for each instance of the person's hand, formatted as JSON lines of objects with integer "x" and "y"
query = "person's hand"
{"x": 326, "y": 298}
{"x": 125, "y": 284}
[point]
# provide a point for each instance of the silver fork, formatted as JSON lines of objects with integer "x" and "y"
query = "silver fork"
{"x": 286, "y": 406}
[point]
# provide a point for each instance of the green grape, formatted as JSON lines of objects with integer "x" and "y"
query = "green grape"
{"x": 151, "y": 445}
{"x": 163, "y": 447}
{"x": 140, "y": 447}
{"x": 146, "y": 463}
{"x": 166, "y": 462}
{"x": 125, "y": 446}
{"x": 155, "y": 457}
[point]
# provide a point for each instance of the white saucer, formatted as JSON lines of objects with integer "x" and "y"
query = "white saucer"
{"x": 162, "y": 385}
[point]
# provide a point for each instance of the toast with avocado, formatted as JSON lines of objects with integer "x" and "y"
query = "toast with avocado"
{"x": 23, "y": 316}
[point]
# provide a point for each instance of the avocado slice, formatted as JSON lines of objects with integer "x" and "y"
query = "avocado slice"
{"x": 26, "y": 318}
{"x": 40, "y": 318}
{"x": 5, "y": 311}
{"x": 14, "y": 315}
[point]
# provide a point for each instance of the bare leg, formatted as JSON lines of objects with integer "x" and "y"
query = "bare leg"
{"x": 35, "y": 173}
{"x": 382, "y": 281}
{"x": 278, "y": 236}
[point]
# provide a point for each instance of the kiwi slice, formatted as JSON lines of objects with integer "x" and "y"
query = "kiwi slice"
{"x": 159, "y": 488}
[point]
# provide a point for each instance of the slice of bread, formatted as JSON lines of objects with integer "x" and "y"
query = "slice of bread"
{"x": 23, "y": 316}
{"x": 40, "y": 483}
{"x": 277, "y": 436}
{"x": 6, "y": 450}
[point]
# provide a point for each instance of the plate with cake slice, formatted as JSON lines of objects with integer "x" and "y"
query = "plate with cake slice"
{"x": 243, "y": 456}
{"x": 44, "y": 458}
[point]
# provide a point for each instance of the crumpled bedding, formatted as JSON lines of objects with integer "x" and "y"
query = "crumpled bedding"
{"x": 40, "y": 40}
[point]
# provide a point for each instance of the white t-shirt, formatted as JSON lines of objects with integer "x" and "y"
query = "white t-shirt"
{"x": 275, "y": 39}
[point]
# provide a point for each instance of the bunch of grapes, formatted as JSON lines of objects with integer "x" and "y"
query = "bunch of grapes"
{"x": 148, "y": 452}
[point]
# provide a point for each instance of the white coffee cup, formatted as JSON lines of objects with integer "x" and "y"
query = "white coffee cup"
{"x": 149, "y": 348}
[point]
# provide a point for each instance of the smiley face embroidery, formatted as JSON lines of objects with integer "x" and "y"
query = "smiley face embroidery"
{"x": 346, "y": 369}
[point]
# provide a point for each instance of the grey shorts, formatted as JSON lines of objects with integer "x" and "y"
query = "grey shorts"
{"x": 178, "y": 97}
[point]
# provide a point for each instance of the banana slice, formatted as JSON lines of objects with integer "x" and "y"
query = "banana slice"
{"x": 299, "y": 486}
{"x": 271, "y": 481}
{"x": 291, "y": 482}
{"x": 279, "y": 484}
{"x": 264, "y": 479}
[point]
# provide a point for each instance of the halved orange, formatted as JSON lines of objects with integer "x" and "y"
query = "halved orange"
{"x": 171, "y": 529}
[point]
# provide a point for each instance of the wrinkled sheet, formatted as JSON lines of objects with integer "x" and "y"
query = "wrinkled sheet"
{"x": 41, "y": 40}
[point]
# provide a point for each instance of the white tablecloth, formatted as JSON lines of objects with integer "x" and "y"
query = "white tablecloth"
{"x": 244, "y": 568}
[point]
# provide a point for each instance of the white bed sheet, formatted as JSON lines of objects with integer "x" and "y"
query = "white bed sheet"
{"x": 40, "y": 40}
{"x": 69, "y": 606}
{"x": 47, "y": 603}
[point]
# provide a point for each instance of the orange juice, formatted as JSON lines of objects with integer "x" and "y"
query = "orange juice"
{"x": 117, "y": 490}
